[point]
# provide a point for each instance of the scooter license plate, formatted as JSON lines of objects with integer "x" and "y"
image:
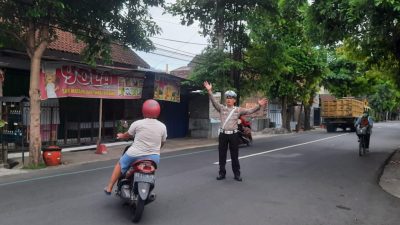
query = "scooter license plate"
{"x": 148, "y": 178}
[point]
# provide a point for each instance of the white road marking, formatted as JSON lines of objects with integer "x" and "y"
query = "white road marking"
{"x": 283, "y": 148}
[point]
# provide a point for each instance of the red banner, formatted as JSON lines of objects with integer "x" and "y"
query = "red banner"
{"x": 61, "y": 80}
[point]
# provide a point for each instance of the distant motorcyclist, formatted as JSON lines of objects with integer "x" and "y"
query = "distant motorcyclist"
{"x": 244, "y": 127}
{"x": 365, "y": 121}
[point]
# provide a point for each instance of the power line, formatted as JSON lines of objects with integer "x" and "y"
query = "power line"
{"x": 186, "y": 42}
{"x": 172, "y": 22}
{"x": 172, "y": 57}
{"x": 174, "y": 52}
{"x": 175, "y": 49}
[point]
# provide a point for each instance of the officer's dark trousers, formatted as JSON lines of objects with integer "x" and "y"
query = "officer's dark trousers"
{"x": 231, "y": 140}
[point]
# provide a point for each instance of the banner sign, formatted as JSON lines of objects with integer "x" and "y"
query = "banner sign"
{"x": 167, "y": 89}
{"x": 64, "y": 80}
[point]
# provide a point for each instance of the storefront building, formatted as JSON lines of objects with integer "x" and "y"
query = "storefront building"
{"x": 73, "y": 94}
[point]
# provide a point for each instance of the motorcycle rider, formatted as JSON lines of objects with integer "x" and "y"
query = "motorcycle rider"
{"x": 228, "y": 133}
{"x": 150, "y": 135}
{"x": 245, "y": 126}
{"x": 244, "y": 129}
{"x": 365, "y": 121}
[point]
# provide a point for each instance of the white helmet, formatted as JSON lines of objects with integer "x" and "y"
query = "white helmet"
{"x": 230, "y": 93}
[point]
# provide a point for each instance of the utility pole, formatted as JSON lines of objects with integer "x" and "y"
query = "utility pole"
{"x": 219, "y": 24}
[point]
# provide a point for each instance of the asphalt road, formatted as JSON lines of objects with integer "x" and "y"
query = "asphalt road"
{"x": 309, "y": 178}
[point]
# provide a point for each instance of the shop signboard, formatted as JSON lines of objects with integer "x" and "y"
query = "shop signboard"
{"x": 166, "y": 88}
{"x": 68, "y": 80}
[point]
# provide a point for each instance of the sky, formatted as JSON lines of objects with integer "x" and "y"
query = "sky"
{"x": 173, "y": 30}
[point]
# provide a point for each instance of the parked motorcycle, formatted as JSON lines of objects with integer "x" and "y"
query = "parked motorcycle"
{"x": 244, "y": 128}
{"x": 136, "y": 185}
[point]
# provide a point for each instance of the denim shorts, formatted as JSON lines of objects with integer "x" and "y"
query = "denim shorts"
{"x": 125, "y": 161}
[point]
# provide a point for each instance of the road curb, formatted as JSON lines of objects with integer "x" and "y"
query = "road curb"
{"x": 389, "y": 179}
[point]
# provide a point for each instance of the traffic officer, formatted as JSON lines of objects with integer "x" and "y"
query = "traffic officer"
{"x": 228, "y": 132}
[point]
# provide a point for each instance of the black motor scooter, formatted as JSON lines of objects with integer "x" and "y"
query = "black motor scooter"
{"x": 136, "y": 185}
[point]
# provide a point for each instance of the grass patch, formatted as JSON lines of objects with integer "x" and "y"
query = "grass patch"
{"x": 33, "y": 167}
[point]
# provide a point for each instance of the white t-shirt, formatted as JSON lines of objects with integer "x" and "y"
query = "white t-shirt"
{"x": 148, "y": 133}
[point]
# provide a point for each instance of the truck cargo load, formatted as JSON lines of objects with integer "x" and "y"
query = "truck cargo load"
{"x": 341, "y": 113}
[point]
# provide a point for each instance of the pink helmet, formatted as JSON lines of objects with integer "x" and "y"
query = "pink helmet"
{"x": 151, "y": 109}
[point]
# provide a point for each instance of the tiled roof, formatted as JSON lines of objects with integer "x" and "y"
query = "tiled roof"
{"x": 66, "y": 42}
{"x": 182, "y": 72}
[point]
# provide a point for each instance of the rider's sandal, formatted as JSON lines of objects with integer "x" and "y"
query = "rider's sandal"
{"x": 107, "y": 192}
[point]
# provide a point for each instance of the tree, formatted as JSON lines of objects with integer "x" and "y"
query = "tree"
{"x": 214, "y": 65}
{"x": 346, "y": 76}
{"x": 224, "y": 21}
{"x": 384, "y": 94}
{"x": 371, "y": 27}
{"x": 33, "y": 24}
{"x": 289, "y": 67}
{"x": 350, "y": 75}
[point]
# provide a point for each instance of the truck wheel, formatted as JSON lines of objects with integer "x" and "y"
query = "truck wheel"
{"x": 330, "y": 128}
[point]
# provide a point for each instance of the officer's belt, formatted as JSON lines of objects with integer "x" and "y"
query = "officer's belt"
{"x": 227, "y": 131}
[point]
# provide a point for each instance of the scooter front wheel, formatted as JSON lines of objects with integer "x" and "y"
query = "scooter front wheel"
{"x": 361, "y": 146}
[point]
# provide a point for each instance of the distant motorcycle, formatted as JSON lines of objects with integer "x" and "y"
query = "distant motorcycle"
{"x": 244, "y": 128}
{"x": 362, "y": 133}
{"x": 136, "y": 185}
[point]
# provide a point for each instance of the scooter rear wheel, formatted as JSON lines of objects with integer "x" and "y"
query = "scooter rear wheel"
{"x": 137, "y": 210}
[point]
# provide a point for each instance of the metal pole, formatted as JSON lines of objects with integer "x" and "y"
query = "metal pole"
{"x": 21, "y": 108}
{"x": 51, "y": 126}
{"x": 100, "y": 121}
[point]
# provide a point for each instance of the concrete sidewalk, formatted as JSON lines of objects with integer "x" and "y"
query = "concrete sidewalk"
{"x": 76, "y": 156}
{"x": 390, "y": 179}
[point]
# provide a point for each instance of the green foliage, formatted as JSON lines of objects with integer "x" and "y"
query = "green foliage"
{"x": 214, "y": 66}
{"x": 345, "y": 76}
{"x": 349, "y": 76}
{"x": 367, "y": 63}
{"x": 227, "y": 22}
{"x": 386, "y": 97}
{"x": 371, "y": 27}
{"x": 2, "y": 123}
{"x": 229, "y": 15}
{"x": 294, "y": 65}
{"x": 35, "y": 167}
